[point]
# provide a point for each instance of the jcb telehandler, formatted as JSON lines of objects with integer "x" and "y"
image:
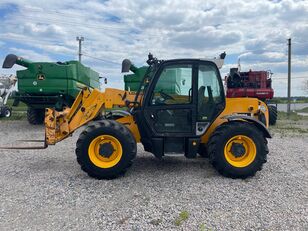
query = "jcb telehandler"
{"x": 189, "y": 114}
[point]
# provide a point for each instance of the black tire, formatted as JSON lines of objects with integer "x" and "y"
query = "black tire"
{"x": 262, "y": 118}
{"x": 7, "y": 112}
{"x": 220, "y": 138}
{"x": 99, "y": 117}
{"x": 272, "y": 111}
{"x": 110, "y": 128}
{"x": 35, "y": 116}
{"x": 202, "y": 151}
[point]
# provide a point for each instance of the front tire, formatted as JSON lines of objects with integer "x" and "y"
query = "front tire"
{"x": 237, "y": 149}
{"x": 106, "y": 149}
{"x": 35, "y": 116}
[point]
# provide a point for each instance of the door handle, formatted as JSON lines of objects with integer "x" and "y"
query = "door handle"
{"x": 189, "y": 94}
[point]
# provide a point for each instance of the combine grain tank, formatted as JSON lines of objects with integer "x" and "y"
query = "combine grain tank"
{"x": 49, "y": 84}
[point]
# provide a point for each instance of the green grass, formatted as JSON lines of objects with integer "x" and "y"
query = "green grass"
{"x": 293, "y": 116}
{"x": 293, "y": 129}
{"x": 183, "y": 216}
{"x": 21, "y": 106}
{"x": 16, "y": 115}
{"x": 202, "y": 227}
{"x": 295, "y": 126}
{"x": 301, "y": 99}
{"x": 303, "y": 110}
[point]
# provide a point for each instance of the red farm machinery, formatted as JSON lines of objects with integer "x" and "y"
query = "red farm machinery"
{"x": 254, "y": 84}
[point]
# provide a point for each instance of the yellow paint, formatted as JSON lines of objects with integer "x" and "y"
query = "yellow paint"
{"x": 104, "y": 162}
{"x": 236, "y": 106}
{"x": 87, "y": 105}
{"x": 266, "y": 113}
{"x": 130, "y": 123}
{"x": 114, "y": 97}
{"x": 249, "y": 155}
{"x": 56, "y": 125}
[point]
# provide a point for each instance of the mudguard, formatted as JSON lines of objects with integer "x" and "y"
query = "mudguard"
{"x": 117, "y": 114}
{"x": 256, "y": 122}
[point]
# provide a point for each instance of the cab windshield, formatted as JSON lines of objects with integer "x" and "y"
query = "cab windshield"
{"x": 145, "y": 82}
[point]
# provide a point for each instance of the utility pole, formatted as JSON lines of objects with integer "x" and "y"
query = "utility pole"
{"x": 289, "y": 76}
{"x": 79, "y": 39}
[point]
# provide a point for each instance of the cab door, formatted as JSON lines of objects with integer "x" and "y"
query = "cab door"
{"x": 171, "y": 107}
{"x": 168, "y": 114}
{"x": 210, "y": 95}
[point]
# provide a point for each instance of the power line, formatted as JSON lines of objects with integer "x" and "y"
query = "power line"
{"x": 49, "y": 42}
{"x": 44, "y": 41}
{"x": 130, "y": 31}
{"x": 101, "y": 59}
{"x": 69, "y": 15}
{"x": 51, "y": 12}
{"x": 300, "y": 77}
{"x": 71, "y": 23}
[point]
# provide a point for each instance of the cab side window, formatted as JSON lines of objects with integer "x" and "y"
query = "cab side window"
{"x": 209, "y": 92}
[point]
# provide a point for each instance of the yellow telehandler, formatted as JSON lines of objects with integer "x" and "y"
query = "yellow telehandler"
{"x": 180, "y": 107}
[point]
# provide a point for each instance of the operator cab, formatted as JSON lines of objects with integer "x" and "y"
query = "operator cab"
{"x": 180, "y": 100}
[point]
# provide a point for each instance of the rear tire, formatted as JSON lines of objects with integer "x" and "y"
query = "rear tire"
{"x": 237, "y": 149}
{"x": 35, "y": 116}
{"x": 109, "y": 161}
{"x": 272, "y": 111}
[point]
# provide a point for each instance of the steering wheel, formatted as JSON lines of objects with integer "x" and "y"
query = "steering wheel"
{"x": 165, "y": 96}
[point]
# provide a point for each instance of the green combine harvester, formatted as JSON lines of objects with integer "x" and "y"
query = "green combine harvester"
{"x": 171, "y": 84}
{"x": 48, "y": 84}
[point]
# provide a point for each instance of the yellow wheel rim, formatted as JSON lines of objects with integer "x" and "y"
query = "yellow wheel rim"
{"x": 102, "y": 158}
{"x": 240, "y": 151}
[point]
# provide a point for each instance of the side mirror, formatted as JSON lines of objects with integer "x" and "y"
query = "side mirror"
{"x": 126, "y": 64}
{"x": 105, "y": 79}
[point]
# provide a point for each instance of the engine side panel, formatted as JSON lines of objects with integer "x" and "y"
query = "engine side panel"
{"x": 248, "y": 106}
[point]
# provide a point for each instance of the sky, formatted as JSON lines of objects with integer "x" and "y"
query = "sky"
{"x": 254, "y": 32}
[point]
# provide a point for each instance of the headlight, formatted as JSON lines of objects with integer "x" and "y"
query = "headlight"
{"x": 262, "y": 108}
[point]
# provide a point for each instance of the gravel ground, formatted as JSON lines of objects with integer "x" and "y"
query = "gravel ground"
{"x": 46, "y": 190}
